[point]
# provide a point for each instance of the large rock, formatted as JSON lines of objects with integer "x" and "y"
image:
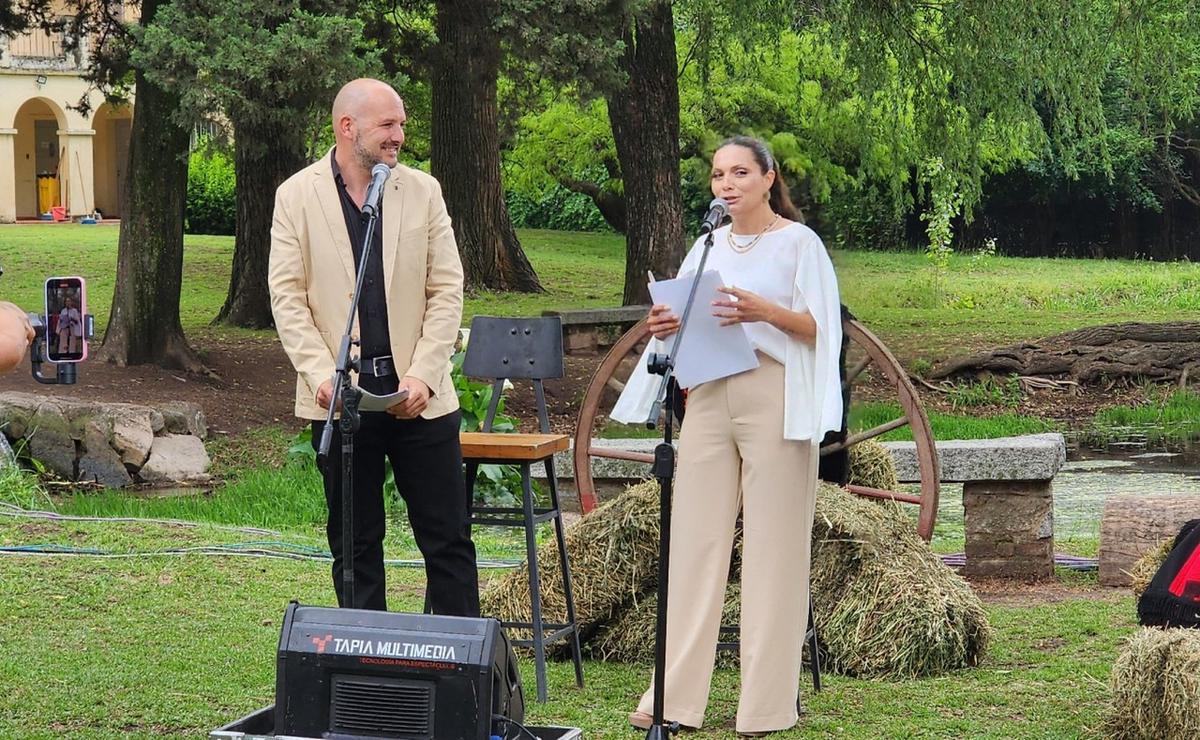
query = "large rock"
{"x": 107, "y": 442}
{"x": 181, "y": 417}
{"x": 98, "y": 461}
{"x": 176, "y": 458}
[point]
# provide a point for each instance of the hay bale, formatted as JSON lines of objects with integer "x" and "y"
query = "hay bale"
{"x": 885, "y": 605}
{"x": 1147, "y": 565}
{"x": 871, "y": 465}
{"x": 613, "y": 553}
{"x": 629, "y": 638}
{"x": 1156, "y": 687}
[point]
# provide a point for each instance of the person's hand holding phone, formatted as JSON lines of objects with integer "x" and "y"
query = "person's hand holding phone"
{"x": 15, "y": 335}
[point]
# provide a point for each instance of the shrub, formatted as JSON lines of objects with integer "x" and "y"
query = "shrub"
{"x": 211, "y": 192}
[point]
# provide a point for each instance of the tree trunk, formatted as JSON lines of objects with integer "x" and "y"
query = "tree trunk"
{"x": 264, "y": 158}
{"x": 465, "y": 152}
{"x": 645, "y": 122}
{"x": 1134, "y": 524}
{"x": 144, "y": 326}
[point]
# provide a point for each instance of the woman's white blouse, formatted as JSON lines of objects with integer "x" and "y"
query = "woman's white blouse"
{"x": 791, "y": 268}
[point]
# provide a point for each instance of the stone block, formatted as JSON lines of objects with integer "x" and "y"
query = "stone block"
{"x": 98, "y": 461}
{"x": 181, "y": 417}
{"x": 1009, "y": 529}
{"x": 1133, "y": 524}
{"x": 176, "y": 458}
{"x": 1026, "y": 457}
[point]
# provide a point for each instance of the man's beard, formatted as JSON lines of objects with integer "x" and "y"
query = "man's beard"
{"x": 365, "y": 158}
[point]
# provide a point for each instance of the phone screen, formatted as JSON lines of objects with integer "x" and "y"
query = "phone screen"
{"x": 65, "y": 312}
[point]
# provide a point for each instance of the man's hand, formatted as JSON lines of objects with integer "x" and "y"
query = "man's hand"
{"x": 325, "y": 394}
{"x": 418, "y": 398}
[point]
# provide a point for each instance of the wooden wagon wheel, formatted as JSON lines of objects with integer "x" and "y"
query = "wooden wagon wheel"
{"x": 865, "y": 350}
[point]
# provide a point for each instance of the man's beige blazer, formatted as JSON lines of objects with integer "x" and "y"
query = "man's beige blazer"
{"x": 311, "y": 278}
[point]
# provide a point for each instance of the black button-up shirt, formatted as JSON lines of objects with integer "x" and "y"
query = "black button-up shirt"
{"x": 372, "y": 303}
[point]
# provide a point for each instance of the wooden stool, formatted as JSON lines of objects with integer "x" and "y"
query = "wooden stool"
{"x": 502, "y": 348}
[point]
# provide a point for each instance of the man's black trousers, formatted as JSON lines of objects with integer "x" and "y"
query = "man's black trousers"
{"x": 427, "y": 464}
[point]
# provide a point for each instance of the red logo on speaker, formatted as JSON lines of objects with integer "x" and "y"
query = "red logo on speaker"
{"x": 321, "y": 642}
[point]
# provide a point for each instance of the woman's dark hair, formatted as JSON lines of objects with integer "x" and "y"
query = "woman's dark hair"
{"x": 780, "y": 199}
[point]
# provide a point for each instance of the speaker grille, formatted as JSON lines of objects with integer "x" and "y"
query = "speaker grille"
{"x": 382, "y": 707}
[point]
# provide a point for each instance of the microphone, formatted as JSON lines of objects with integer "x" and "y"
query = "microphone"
{"x": 379, "y": 175}
{"x": 717, "y": 211}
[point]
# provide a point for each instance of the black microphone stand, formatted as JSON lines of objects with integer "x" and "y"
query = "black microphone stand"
{"x": 664, "y": 472}
{"x": 349, "y": 395}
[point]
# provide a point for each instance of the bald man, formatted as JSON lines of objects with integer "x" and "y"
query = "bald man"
{"x": 15, "y": 335}
{"x": 407, "y": 323}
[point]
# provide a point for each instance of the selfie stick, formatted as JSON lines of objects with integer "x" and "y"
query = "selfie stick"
{"x": 65, "y": 373}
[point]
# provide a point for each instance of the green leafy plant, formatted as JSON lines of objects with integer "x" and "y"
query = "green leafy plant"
{"x": 989, "y": 391}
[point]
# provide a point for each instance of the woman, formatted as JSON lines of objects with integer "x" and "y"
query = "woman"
{"x": 749, "y": 445}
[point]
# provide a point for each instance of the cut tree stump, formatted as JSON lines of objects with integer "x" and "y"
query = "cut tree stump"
{"x": 1133, "y": 524}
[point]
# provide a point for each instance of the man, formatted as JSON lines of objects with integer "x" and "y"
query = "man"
{"x": 408, "y": 319}
{"x": 15, "y": 335}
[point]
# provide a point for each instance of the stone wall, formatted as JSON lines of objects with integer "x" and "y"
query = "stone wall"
{"x": 113, "y": 444}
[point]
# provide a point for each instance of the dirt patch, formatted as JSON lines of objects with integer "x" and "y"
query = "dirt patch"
{"x": 256, "y": 387}
{"x": 1002, "y": 592}
{"x": 256, "y": 384}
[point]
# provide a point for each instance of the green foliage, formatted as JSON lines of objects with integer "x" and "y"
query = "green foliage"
{"x": 495, "y": 485}
{"x": 271, "y": 66}
{"x": 554, "y": 208}
{"x": 211, "y": 197}
{"x": 988, "y": 391}
{"x": 1166, "y": 416}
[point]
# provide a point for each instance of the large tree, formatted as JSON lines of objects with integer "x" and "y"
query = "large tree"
{"x": 452, "y": 50}
{"x": 144, "y": 326}
{"x": 465, "y": 155}
{"x": 271, "y": 70}
{"x": 644, "y": 112}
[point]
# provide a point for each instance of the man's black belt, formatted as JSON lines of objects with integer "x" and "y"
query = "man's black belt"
{"x": 380, "y": 367}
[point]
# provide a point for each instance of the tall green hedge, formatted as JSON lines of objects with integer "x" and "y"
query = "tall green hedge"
{"x": 211, "y": 196}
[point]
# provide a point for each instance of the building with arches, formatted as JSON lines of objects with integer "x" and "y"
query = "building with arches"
{"x": 50, "y": 153}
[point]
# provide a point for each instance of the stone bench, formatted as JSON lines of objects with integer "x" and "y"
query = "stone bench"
{"x": 1008, "y": 501}
{"x": 588, "y": 330}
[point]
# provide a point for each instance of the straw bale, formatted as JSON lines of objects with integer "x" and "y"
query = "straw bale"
{"x": 613, "y": 555}
{"x": 871, "y": 465}
{"x": 885, "y": 605}
{"x": 1156, "y": 687}
{"x": 629, "y": 638}
{"x": 1147, "y": 565}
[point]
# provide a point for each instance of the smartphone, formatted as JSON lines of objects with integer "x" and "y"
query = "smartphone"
{"x": 66, "y": 317}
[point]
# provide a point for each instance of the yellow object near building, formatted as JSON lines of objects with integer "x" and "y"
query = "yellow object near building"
{"x": 47, "y": 192}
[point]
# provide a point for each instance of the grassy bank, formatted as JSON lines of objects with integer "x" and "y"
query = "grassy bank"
{"x": 919, "y": 313}
{"x": 155, "y": 645}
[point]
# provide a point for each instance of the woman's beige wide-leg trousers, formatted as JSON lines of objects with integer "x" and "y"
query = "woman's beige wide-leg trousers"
{"x": 732, "y": 457}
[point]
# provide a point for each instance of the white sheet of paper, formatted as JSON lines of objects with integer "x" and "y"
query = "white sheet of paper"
{"x": 708, "y": 351}
{"x": 372, "y": 402}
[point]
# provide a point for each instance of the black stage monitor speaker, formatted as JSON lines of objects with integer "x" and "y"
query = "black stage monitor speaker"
{"x": 352, "y": 673}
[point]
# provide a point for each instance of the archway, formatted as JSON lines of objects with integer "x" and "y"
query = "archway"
{"x": 110, "y": 157}
{"x": 37, "y": 152}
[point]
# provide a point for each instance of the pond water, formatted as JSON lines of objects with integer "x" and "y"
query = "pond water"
{"x": 1088, "y": 478}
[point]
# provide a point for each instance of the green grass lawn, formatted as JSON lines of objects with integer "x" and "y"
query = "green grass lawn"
{"x": 158, "y": 646}
{"x": 923, "y": 316}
